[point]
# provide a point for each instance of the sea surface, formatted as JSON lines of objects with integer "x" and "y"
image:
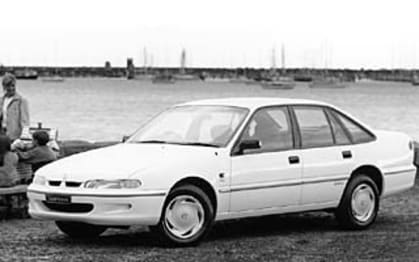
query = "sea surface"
{"x": 103, "y": 109}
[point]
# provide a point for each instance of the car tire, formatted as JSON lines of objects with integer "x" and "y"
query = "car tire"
{"x": 359, "y": 205}
{"x": 187, "y": 217}
{"x": 80, "y": 230}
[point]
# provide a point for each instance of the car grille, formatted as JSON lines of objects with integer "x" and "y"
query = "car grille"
{"x": 67, "y": 183}
{"x": 54, "y": 183}
{"x": 69, "y": 208}
{"x": 72, "y": 184}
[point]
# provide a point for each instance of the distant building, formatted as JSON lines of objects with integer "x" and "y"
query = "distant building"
{"x": 130, "y": 68}
{"x": 108, "y": 69}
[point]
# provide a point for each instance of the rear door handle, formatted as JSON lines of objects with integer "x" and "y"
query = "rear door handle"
{"x": 346, "y": 154}
{"x": 293, "y": 160}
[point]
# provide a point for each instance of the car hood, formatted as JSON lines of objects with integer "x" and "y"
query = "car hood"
{"x": 123, "y": 161}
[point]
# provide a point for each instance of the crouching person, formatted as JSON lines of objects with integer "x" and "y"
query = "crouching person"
{"x": 8, "y": 163}
{"x": 39, "y": 153}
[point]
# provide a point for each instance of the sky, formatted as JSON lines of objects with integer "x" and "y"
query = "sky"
{"x": 215, "y": 33}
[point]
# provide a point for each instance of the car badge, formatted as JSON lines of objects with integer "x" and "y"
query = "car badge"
{"x": 64, "y": 180}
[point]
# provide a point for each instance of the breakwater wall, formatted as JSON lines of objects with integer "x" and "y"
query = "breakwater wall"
{"x": 303, "y": 74}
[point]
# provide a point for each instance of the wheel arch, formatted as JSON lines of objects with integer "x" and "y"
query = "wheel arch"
{"x": 372, "y": 172}
{"x": 202, "y": 184}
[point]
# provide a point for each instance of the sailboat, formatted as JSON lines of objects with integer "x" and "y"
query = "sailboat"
{"x": 327, "y": 81}
{"x": 278, "y": 82}
{"x": 26, "y": 73}
{"x": 183, "y": 76}
{"x": 143, "y": 73}
{"x": 53, "y": 78}
{"x": 415, "y": 79}
{"x": 163, "y": 78}
{"x": 239, "y": 79}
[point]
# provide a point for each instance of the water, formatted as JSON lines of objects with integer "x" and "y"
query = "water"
{"x": 99, "y": 109}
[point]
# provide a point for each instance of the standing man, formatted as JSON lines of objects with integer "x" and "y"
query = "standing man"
{"x": 14, "y": 109}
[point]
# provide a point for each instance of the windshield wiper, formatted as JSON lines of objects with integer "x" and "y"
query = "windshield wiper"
{"x": 152, "y": 142}
{"x": 176, "y": 143}
{"x": 198, "y": 144}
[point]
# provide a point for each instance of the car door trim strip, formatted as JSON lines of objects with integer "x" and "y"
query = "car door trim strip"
{"x": 399, "y": 171}
{"x": 283, "y": 184}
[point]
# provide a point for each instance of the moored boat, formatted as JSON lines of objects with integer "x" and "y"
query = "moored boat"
{"x": 239, "y": 80}
{"x": 183, "y": 75}
{"x": 186, "y": 77}
{"x": 303, "y": 78}
{"x": 279, "y": 83}
{"x": 163, "y": 79}
{"x": 415, "y": 80}
{"x": 26, "y": 74}
{"x": 216, "y": 79}
{"x": 54, "y": 79}
{"x": 328, "y": 82}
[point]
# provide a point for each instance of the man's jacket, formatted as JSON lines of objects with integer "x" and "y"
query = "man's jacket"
{"x": 17, "y": 116}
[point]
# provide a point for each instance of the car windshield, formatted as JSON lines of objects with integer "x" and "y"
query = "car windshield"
{"x": 192, "y": 125}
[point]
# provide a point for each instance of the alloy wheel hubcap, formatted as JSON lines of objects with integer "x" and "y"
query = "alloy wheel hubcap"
{"x": 184, "y": 216}
{"x": 363, "y": 202}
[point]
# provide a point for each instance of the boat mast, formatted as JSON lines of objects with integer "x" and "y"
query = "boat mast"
{"x": 183, "y": 61}
{"x": 151, "y": 60}
{"x": 283, "y": 59}
{"x": 273, "y": 61}
{"x": 145, "y": 59}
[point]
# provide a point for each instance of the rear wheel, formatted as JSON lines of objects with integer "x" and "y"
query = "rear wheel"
{"x": 187, "y": 216}
{"x": 359, "y": 205}
{"x": 80, "y": 230}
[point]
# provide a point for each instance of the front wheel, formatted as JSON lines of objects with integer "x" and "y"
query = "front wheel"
{"x": 187, "y": 216}
{"x": 359, "y": 205}
{"x": 80, "y": 230}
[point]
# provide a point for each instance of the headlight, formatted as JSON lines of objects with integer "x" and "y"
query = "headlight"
{"x": 113, "y": 184}
{"x": 40, "y": 180}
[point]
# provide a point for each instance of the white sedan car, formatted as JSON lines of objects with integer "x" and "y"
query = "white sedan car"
{"x": 212, "y": 160}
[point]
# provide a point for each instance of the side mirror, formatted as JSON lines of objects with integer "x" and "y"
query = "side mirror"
{"x": 125, "y": 138}
{"x": 248, "y": 144}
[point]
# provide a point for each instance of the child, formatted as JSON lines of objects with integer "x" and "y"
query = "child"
{"x": 40, "y": 154}
{"x": 8, "y": 163}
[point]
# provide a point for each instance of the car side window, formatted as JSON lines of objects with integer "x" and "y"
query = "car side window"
{"x": 359, "y": 134}
{"x": 338, "y": 132}
{"x": 272, "y": 127}
{"x": 314, "y": 127}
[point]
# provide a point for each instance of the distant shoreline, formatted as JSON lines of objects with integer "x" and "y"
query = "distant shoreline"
{"x": 399, "y": 75}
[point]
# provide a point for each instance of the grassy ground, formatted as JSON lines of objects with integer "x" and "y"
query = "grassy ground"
{"x": 304, "y": 237}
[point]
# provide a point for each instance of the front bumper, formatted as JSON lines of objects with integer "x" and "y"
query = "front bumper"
{"x": 142, "y": 208}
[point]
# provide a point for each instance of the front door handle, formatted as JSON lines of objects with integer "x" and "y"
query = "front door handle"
{"x": 346, "y": 154}
{"x": 293, "y": 160}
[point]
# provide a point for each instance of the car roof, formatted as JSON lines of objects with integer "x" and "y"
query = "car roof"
{"x": 255, "y": 102}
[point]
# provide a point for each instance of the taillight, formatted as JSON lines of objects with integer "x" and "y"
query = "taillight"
{"x": 411, "y": 145}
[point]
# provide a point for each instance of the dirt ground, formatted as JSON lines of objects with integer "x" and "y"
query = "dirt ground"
{"x": 304, "y": 237}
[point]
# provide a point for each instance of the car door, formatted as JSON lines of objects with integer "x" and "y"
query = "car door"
{"x": 326, "y": 153}
{"x": 269, "y": 176}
